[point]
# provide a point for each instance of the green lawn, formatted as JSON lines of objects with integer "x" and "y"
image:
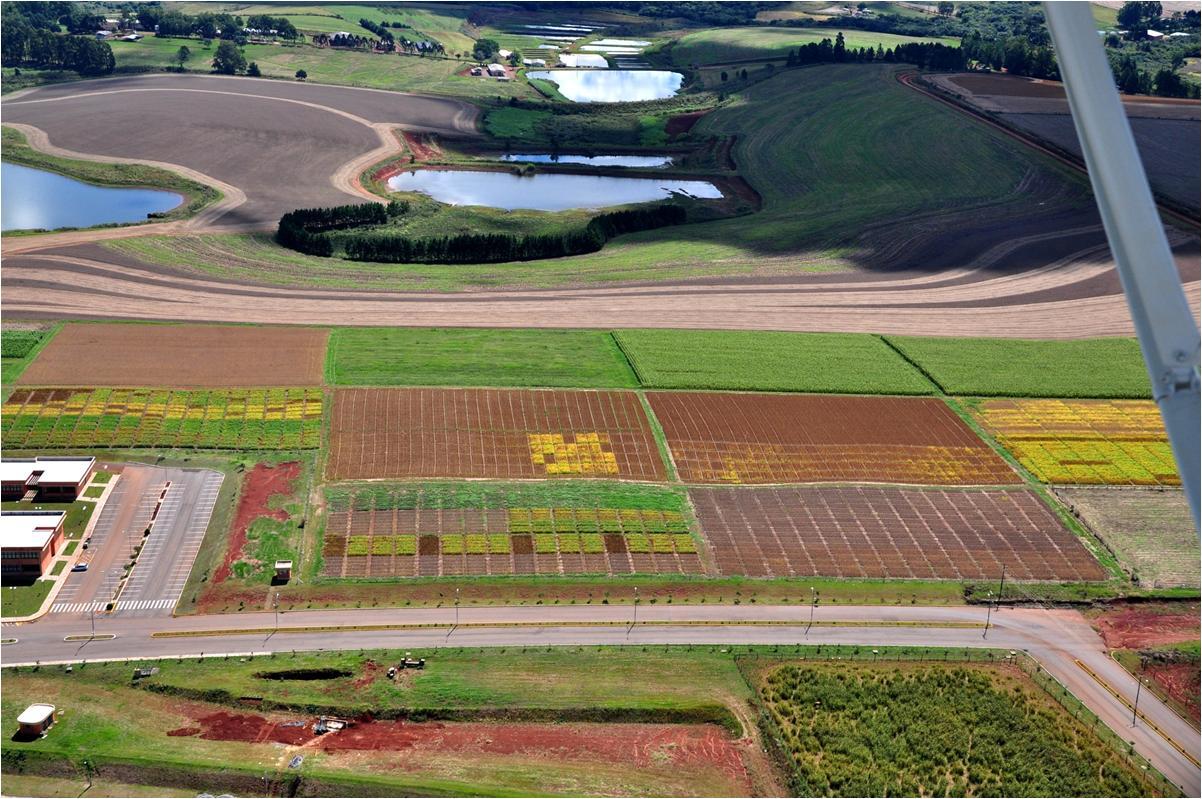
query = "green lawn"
{"x": 820, "y": 145}
{"x": 93, "y": 492}
{"x": 22, "y": 600}
{"x": 475, "y": 357}
{"x": 328, "y": 65}
{"x": 100, "y": 477}
{"x": 715, "y": 45}
{"x": 760, "y": 361}
{"x": 514, "y": 123}
{"x": 1101, "y": 368}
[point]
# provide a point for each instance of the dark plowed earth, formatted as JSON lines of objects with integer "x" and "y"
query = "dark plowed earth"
{"x": 279, "y": 142}
{"x": 865, "y": 531}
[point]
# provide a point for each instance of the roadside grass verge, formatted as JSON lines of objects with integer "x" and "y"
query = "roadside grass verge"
{"x": 196, "y": 195}
{"x": 514, "y": 123}
{"x": 837, "y": 363}
{"x": 22, "y": 600}
{"x": 1105, "y": 368}
{"x": 475, "y": 357}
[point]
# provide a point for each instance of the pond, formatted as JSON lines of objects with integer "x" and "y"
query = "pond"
{"x": 35, "y": 199}
{"x": 591, "y": 160}
{"x": 543, "y": 191}
{"x": 613, "y": 85}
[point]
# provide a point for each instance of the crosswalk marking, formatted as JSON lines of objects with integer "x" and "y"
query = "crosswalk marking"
{"x": 77, "y": 607}
{"x": 146, "y": 604}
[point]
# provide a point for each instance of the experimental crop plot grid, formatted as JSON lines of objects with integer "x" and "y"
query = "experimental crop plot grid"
{"x": 874, "y": 532}
{"x": 773, "y": 438}
{"x": 1086, "y": 442}
{"x": 213, "y": 419}
{"x": 412, "y": 433}
{"x": 490, "y": 536}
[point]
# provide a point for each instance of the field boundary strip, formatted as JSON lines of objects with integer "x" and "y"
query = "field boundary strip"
{"x": 886, "y": 340}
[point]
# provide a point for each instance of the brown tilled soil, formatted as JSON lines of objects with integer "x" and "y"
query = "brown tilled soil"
{"x": 888, "y": 533}
{"x": 1016, "y": 86}
{"x": 639, "y": 745}
{"x": 1145, "y": 625}
{"x": 258, "y": 487}
{"x": 180, "y": 356}
{"x": 778, "y": 438}
{"x": 683, "y": 123}
{"x": 409, "y": 433}
{"x": 1181, "y": 681}
{"x": 421, "y": 145}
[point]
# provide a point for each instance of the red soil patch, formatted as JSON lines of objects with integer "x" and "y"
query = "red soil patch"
{"x": 421, "y": 145}
{"x": 1145, "y": 626}
{"x": 371, "y": 670}
{"x": 683, "y": 123}
{"x": 1181, "y": 681}
{"x": 223, "y": 726}
{"x": 184, "y": 732}
{"x": 258, "y": 487}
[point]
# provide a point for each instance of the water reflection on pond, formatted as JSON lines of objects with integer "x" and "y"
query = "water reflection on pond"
{"x": 35, "y": 199}
{"x": 612, "y": 85}
{"x": 591, "y": 160}
{"x": 543, "y": 191}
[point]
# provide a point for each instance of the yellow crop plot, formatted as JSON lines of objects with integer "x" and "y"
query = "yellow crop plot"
{"x": 1087, "y": 442}
{"x": 585, "y": 454}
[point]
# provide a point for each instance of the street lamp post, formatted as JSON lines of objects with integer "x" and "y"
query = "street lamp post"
{"x": 988, "y": 613}
{"x": 1139, "y": 683}
{"x": 636, "y": 606}
{"x": 456, "y": 607}
{"x": 813, "y": 605}
{"x": 92, "y": 609}
{"x": 275, "y": 604}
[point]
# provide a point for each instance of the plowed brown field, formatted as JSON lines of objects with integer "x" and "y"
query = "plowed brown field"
{"x": 891, "y": 533}
{"x": 180, "y": 356}
{"x": 405, "y": 433}
{"x": 776, "y": 438}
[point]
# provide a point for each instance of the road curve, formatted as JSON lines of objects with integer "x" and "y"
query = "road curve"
{"x": 1057, "y": 639}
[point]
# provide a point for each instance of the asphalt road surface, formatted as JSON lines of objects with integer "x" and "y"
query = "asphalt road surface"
{"x": 1061, "y": 640}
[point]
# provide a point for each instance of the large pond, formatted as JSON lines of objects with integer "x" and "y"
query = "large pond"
{"x": 613, "y": 85}
{"x": 543, "y": 191}
{"x": 34, "y": 199}
{"x": 591, "y": 160}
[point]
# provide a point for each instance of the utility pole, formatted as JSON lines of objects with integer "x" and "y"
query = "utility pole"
{"x": 1002, "y": 584}
{"x": 275, "y": 604}
{"x": 988, "y": 613}
{"x": 456, "y": 607}
{"x": 1139, "y": 683}
{"x": 92, "y": 609}
{"x": 813, "y": 605}
{"x": 636, "y": 607}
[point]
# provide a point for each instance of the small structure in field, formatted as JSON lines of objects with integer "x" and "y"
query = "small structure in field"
{"x": 34, "y": 721}
{"x": 496, "y": 71}
{"x": 283, "y": 571}
{"x": 536, "y": 62}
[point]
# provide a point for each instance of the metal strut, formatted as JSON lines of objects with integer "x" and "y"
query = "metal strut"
{"x": 1168, "y": 334}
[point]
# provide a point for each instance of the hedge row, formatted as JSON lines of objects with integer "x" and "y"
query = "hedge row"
{"x": 308, "y": 231}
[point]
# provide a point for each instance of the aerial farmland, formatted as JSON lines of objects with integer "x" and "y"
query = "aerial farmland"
{"x": 676, "y": 399}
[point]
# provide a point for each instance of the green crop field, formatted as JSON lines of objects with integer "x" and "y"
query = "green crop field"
{"x": 822, "y": 152}
{"x": 1105, "y": 368}
{"x": 717, "y": 45}
{"x": 235, "y": 419}
{"x": 476, "y": 357}
{"x": 760, "y": 361}
{"x": 17, "y": 350}
{"x": 481, "y": 494}
{"x": 917, "y": 730}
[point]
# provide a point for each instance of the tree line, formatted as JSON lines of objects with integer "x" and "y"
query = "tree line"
{"x": 208, "y": 25}
{"x": 310, "y": 231}
{"x": 29, "y": 37}
{"x": 921, "y": 54}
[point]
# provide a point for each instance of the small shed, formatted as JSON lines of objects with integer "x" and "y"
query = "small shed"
{"x": 283, "y": 571}
{"x": 496, "y": 70}
{"x": 35, "y": 721}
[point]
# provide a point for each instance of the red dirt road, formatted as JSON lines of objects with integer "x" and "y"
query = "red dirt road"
{"x": 258, "y": 487}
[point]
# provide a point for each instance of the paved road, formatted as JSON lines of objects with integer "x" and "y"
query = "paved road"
{"x": 1056, "y": 638}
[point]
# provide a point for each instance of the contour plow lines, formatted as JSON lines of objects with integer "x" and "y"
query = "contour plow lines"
{"x": 61, "y": 286}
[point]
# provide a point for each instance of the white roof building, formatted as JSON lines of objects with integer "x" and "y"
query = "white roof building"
{"x": 54, "y": 470}
{"x": 496, "y": 70}
{"x": 35, "y": 714}
{"x": 535, "y": 62}
{"x": 1155, "y": 34}
{"x": 504, "y": 53}
{"x": 28, "y": 529}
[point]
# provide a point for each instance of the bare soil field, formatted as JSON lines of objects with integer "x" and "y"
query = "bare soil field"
{"x": 1149, "y": 530}
{"x": 281, "y": 143}
{"x": 768, "y": 438}
{"x": 180, "y": 356}
{"x": 1136, "y": 626}
{"x": 1169, "y": 148}
{"x": 408, "y": 433}
{"x": 890, "y": 533}
{"x": 254, "y": 502}
{"x": 706, "y": 753}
